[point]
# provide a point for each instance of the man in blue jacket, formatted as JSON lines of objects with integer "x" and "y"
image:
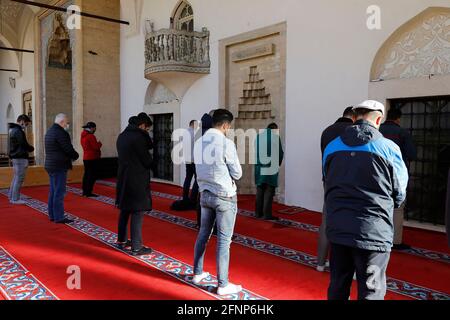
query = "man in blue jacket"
{"x": 365, "y": 179}
{"x": 59, "y": 155}
{"x": 392, "y": 130}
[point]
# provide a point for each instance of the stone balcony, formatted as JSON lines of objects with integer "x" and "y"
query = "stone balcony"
{"x": 177, "y": 58}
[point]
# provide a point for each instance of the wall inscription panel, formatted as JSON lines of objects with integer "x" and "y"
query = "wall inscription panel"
{"x": 252, "y": 87}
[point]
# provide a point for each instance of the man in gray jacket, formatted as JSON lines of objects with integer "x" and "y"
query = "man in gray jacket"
{"x": 218, "y": 167}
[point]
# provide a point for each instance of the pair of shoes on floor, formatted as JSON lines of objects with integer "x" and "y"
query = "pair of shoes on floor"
{"x": 401, "y": 247}
{"x": 123, "y": 245}
{"x": 221, "y": 291}
{"x": 141, "y": 252}
{"x": 64, "y": 221}
{"x": 322, "y": 268}
{"x": 18, "y": 203}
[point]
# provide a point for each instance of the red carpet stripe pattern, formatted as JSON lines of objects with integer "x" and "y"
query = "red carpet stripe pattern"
{"x": 17, "y": 283}
{"x": 158, "y": 260}
{"x": 394, "y": 285}
{"x": 424, "y": 253}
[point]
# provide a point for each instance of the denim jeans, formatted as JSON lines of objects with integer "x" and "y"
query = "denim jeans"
{"x": 20, "y": 169}
{"x": 56, "y": 195}
{"x": 221, "y": 211}
{"x": 324, "y": 245}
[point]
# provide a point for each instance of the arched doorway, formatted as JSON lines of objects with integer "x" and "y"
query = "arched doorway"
{"x": 164, "y": 108}
{"x": 411, "y": 72}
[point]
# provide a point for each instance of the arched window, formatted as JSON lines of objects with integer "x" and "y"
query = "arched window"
{"x": 183, "y": 18}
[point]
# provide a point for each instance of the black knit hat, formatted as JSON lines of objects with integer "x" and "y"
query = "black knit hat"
{"x": 90, "y": 125}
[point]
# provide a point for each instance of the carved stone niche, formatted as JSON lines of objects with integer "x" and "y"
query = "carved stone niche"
{"x": 253, "y": 87}
{"x": 59, "y": 50}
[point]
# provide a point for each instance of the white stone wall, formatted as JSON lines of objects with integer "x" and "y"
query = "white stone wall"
{"x": 329, "y": 56}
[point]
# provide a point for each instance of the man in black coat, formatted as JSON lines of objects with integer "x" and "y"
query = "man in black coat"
{"x": 59, "y": 155}
{"x": 133, "y": 196}
{"x": 18, "y": 151}
{"x": 331, "y": 133}
{"x": 392, "y": 130}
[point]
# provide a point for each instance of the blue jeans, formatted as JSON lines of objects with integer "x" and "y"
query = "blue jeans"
{"x": 20, "y": 169}
{"x": 221, "y": 211}
{"x": 56, "y": 196}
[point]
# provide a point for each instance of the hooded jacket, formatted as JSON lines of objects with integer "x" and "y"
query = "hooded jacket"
{"x": 365, "y": 179}
{"x": 91, "y": 147}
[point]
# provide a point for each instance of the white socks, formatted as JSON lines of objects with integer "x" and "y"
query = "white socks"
{"x": 197, "y": 279}
{"x": 229, "y": 289}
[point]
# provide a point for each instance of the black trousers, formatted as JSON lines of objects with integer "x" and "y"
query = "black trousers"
{"x": 190, "y": 174}
{"x": 370, "y": 268}
{"x": 137, "y": 219}
{"x": 264, "y": 200}
{"x": 90, "y": 176}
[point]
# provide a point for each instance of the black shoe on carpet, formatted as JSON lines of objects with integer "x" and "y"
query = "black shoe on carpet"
{"x": 401, "y": 247}
{"x": 93, "y": 195}
{"x": 123, "y": 245}
{"x": 65, "y": 221}
{"x": 272, "y": 219}
{"x": 142, "y": 252}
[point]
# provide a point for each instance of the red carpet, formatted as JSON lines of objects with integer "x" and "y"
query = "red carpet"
{"x": 430, "y": 240}
{"x": 47, "y": 250}
{"x": 405, "y": 267}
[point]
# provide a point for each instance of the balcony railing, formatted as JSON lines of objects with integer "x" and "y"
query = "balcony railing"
{"x": 170, "y": 50}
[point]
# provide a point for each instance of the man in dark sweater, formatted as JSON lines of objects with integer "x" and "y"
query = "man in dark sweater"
{"x": 392, "y": 130}
{"x": 331, "y": 133}
{"x": 59, "y": 155}
{"x": 18, "y": 151}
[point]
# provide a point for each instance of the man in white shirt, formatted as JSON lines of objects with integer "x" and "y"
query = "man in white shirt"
{"x": 218, "y": 167}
